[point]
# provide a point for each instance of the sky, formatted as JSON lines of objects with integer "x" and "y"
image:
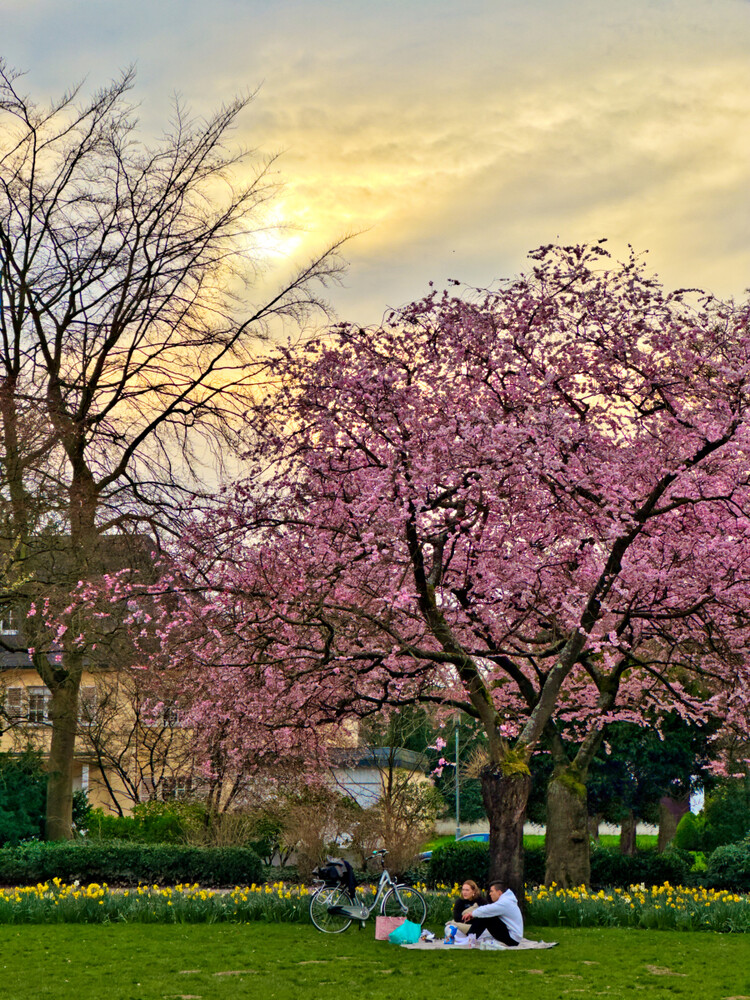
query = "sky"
{"x": 451, "y": 137}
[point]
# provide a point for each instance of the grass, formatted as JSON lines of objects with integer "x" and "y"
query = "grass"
{"x": 644, "y": 841}
{"x": 280, "y": 961}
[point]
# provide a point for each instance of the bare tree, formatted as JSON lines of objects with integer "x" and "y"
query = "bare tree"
{"x": 126, "y": 270}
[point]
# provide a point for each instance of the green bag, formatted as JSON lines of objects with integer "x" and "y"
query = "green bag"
{"x": 407, "y": 933}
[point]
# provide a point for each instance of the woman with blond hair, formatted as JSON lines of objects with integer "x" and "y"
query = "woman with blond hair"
{"x": 470, "y": 898}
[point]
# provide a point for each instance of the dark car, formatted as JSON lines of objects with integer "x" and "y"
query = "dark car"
{"x": 483, "y": 837}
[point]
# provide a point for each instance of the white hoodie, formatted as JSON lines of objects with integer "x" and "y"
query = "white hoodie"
{"x": 506, "y": 907}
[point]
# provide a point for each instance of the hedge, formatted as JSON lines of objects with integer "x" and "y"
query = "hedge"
{"x": 458, "y": 861}
{"x": 455, "y": 862}
{"x": 609, "y": 868}
{"x": 127, "y": 863}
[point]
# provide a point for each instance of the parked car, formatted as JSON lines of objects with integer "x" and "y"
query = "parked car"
{"x": 483, "y": 837}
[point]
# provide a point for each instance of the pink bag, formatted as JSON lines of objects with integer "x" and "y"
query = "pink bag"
{"x": 384, "y": 926}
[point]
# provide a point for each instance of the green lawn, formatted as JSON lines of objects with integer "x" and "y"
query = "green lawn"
{"x": 279, "y": 961}
{"x": 644, "y": 841}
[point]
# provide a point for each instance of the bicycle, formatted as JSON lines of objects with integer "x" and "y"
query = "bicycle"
{"x": 332, "y": 908}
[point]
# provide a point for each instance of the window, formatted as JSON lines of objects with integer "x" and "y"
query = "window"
{"x": 176, "y": 787}
{"x": 14, "y": 703}
{"x": 39, "y": 698}
{"x": 88, "y": 705}
{"x": 8, "y": 625}
{"x": 171, "y": 714}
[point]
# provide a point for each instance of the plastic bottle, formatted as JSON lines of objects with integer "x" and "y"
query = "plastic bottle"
{"x": 450, "y": 934}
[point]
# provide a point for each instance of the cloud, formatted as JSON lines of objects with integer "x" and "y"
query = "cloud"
{"x": 456, "y": 136}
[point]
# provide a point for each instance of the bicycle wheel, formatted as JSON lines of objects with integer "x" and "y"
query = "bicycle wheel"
{"x": 324, "y": 920}
{"x": 405, "y": 901}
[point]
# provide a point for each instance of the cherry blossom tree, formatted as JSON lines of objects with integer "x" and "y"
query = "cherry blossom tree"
{"x": 524, "y": 503}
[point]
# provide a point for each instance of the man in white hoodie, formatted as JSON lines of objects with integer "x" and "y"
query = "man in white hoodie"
{"x": 501, "y": 917}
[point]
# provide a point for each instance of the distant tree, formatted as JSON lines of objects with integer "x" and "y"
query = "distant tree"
{"x": 129, "y": 337}
{"x": 638, "y": 766}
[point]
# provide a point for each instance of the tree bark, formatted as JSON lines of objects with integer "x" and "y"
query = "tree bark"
{"x": 63, "y": 713}
{"x": 594, "y": 822}
{"x": 627, "y": 833}
{"x": 567, "y": 840}
{"x": 671, "y": 812}
{"x": 505, "y": 797}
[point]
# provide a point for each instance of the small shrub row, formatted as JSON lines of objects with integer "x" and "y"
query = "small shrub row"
{"x": 456, "y": 861}
{"x": 727, "y": 868}
{"x": 610, "y": 868}
{"x": 128, "y": 863}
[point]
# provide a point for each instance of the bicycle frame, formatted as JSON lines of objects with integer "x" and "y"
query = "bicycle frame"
{"x": 386, "y": 882}
{"x": 360, "y": 911}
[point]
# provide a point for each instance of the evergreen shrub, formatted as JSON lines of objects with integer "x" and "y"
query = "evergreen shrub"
{"x": 23, "y": 785}
{"x": 611, "y": 869}
{"x": 689, "y": 833}
{"x": 459, "y": 860}
{"x": 725, "y": 819}
{"x": 128, "y": 863}
{"x": 728, "y": 867}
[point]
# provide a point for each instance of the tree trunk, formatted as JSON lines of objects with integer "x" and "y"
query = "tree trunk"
{"x": 627, "y": 834}
{"x": 505, "y": 797}
{"x": 567, "y": 840}
{"x": 63, "y": 713}
{"x": 671, "y": 812}
{"x": 594, "y": 822}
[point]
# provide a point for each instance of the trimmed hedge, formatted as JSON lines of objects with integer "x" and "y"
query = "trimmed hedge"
{"x": 609, "y": 868}
{"x": 127, "y": 863}
{"x": 456, "y": 862}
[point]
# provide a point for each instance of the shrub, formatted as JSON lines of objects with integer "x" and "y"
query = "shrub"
{"x": 315, "y": 824}
{"x": 150, "y": 823}
{"x": 81, "y": 811}
{"x": 729, "y": 868}
{"x": 128, "y": 863}
{"x": 400, "y": 821}
{"x": 454, "y": 862}
{"x": 609, "y": 868}
{"x": 265, "y": 837}
{"x": 23, "y": 785}
{"x": 534, "y": 862}
{"x": 457, "y": 861}
{"x": 689, "y": 833}
{"x": 727, "y": 816}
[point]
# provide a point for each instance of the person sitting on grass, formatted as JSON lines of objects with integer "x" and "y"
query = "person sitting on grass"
{"x": 501, "y": 917}
{"x": 470, "y": 898}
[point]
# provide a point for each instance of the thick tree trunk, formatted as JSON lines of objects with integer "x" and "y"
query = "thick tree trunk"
{"x": 567, "y": 839}
{"x": 627, "y": 834}
{"x": 671, "y": 812}
{"x": 63, "y": 713}
{"x": 505, "y": 797}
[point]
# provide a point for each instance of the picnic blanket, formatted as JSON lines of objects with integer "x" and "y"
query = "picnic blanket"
{"x": 440, "y": 945}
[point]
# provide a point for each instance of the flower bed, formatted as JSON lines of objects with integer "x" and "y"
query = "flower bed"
{"x": 662, "y": 907}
